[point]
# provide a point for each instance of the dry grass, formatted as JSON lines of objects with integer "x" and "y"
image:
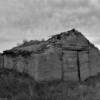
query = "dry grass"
{"x": 20, "y": 86}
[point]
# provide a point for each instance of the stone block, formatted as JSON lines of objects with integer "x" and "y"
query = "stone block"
{"x": 49, "y": 67}
{"x": 70, "y": 65}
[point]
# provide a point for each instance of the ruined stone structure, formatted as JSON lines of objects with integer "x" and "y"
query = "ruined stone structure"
{"x": 66, "y": 56}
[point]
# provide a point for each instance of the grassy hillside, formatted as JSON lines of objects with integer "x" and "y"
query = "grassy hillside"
{"x": 20, "y": 86}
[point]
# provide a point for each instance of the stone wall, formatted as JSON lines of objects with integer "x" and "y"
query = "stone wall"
{"x": 21, "y": 64}
{"x": 1, "y": 61}
{"x": 46, "y": 66}
{"x": 70, "y": 65}
{"x": 84, "y": 64}
{"x": 51, "y": 65}
{"x": 94, "y": 61}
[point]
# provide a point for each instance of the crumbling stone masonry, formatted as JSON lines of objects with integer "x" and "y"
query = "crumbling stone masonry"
{"x": 66, "y": 56}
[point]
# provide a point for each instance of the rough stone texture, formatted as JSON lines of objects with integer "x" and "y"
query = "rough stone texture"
{"x": 1, "y": 61}
{"x": 32, "y": 65}
{"x": 70, "y": 65}
{"x": 8, "y": 62}
{"x": 21, "y": 64}
{"x": 75, "y": 41}
{"x": 49, "y": 67}
{"x": 16, "y": 63}
{"x": 84, "y": 64}
{"x": 94, "y": 61}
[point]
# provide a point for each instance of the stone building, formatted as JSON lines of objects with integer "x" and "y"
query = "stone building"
{"x": 65, "y": 56}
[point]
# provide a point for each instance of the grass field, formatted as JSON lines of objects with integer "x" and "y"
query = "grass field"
{"x": 20, "y": 86}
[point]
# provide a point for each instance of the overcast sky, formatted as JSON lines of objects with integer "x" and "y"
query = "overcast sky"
{"x": 37, "y": 19}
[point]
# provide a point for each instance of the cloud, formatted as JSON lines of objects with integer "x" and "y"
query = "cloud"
{"x": 5, "y": 40}
{"x": 94, "y": 2}
{"x": 35, "y": 19}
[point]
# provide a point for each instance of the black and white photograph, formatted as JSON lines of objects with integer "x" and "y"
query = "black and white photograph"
{"x": 49, "y": 49}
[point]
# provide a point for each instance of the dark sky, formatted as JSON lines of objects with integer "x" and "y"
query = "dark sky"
{"x": 37, "y": 19}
